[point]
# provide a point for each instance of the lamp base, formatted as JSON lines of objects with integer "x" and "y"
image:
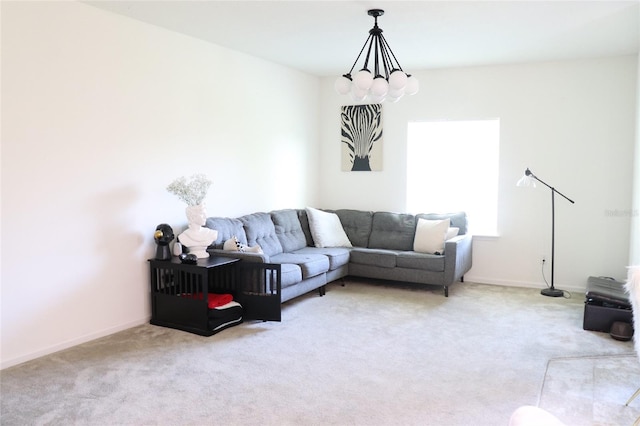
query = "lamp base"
{"x": 552, "y": 292}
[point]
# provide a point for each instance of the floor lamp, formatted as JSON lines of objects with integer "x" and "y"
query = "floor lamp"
{"x": 529, "y": 180}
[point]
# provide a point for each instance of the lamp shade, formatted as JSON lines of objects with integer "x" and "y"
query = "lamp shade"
{"x": 526, "y": 181}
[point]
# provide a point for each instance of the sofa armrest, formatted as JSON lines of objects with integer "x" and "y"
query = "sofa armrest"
{"x": 457, "y": 258}
{"x": 247, "y": 257}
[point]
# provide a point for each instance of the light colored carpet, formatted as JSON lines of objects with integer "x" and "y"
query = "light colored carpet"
{"x": 592, "y": 390}
{"x": 364, "y": 354}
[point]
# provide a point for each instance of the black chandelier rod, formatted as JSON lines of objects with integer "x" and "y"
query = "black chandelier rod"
{"x": 348, "y": 75}
{"x": 388, "y": 48}
{"x": 382, "y": 50}
{"x": 385, "y": 57}
{"x": 376, "y": 59}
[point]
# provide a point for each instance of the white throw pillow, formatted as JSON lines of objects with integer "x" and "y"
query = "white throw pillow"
{"x": 451, "y": 232}
{"x": 326, "y": 229}
{"x": 430, "y": 235}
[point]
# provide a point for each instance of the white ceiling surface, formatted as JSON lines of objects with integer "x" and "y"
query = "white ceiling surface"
{"x": 324, "y": 37}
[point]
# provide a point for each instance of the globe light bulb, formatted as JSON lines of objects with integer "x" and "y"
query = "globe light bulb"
{"x": 397, "y": 80}
{"x": 380, "y": 87}
{"x": 358, "y": 94}
{"x": 412, "y": 86}
{"x": 375, "y": 99}
{"x": 363, "y": 79}
{"x": 395, "y": 93}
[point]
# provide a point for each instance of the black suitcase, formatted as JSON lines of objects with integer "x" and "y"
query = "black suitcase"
{"x": 605, "y": 303}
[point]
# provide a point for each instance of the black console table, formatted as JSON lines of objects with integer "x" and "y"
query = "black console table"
{"x": 171, "y": 278}
{"x": 256, "y": 286}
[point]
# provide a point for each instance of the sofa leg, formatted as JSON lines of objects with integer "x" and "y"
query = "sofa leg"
{"x": 462, "y": 279}
{"x": 446, "y": 291}
{"x": 322, "y": 291}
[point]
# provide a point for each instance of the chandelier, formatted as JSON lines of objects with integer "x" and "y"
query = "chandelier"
{"x": 387, "y": 81}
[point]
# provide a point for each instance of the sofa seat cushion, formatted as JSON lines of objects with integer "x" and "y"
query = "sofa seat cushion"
{"x": 290, "y": 274}
{"x": 310, "y": 264}
{"x": 415, "y": 260}
{"x": 338, "y": 256}
{"x": 375, "y": 257}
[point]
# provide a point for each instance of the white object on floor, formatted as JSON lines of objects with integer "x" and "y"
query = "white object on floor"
{"x": 633, "y": 288}
{"x": 528, "y": 415}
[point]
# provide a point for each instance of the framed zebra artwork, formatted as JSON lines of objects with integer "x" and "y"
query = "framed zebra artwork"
{"x": 361, "y": 137}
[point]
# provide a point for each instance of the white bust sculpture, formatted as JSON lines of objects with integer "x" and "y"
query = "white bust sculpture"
{"x": 197, "y": 238}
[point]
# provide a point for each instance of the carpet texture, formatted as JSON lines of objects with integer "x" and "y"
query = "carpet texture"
{"x": 592, "y": 390}
{"x": 364, "y": 354}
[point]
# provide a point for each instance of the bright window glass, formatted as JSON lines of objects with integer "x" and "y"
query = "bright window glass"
{"x": 453, "y": 166}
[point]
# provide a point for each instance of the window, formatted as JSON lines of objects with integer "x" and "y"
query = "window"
{"x": 453, "y": 166}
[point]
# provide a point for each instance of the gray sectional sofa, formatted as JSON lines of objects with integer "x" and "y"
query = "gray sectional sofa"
{"x": 382, "y": 246}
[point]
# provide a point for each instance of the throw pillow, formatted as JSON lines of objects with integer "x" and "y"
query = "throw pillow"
{"x": 326, "y": 229}
{"x": 430, "y": 236}
{"x": 451, "y": 232}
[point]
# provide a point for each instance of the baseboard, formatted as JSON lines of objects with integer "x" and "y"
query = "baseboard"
{"x": 522, "y": 284}
{"x": 70, "y": 343}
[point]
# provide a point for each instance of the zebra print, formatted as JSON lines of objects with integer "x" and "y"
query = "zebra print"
{"x": 361, "y": 129}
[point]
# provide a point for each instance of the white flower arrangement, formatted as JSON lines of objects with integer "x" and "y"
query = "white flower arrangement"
{"x": 191, "y": 192}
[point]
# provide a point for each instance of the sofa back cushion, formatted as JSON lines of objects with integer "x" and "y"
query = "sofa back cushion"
{"x": 288, "y": 230}
{"x": 458, "y": 219}
{"x": 392, "y": 231}
{"x": 357, "y": 225}
{"x": 260, "y": 230}
{"x": 227, "y": 228}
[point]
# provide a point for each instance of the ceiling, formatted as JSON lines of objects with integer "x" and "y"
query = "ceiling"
{"x": 324, "y": 37}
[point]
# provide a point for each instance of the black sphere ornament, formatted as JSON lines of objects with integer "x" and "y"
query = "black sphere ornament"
{"x": 163, "y": 236}
{"x": 190, "y": 259}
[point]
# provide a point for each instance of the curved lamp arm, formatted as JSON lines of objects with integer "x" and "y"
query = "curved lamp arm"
{"x": 529, "y": 180}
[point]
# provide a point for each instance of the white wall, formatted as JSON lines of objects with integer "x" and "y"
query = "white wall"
{"x": 572, "y": 123}
{"x": 100, "y": 114}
